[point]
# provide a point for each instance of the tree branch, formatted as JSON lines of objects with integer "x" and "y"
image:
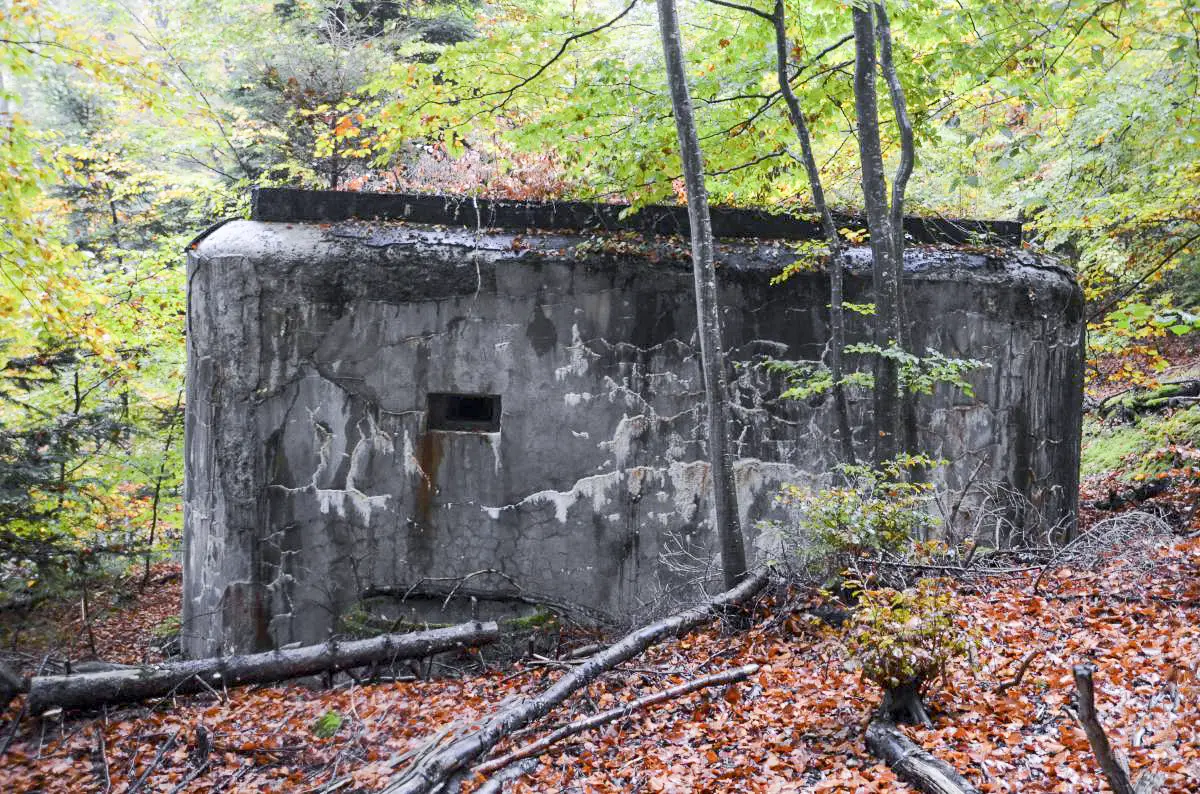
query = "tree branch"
{"x": 509, "y": 92}
{"x": 740, "y": 7}
{"x": 624, "y": 710}
{"x": 883, "y": 30}
{"x": 433, "y": 770}
{"x": 1115, "y": 769}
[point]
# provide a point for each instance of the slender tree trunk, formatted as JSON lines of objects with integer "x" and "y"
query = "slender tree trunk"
{"x": 837, "y": 321}
{"x": 887, "y": 66}
{"x": 708, "y": 318}
{"x": 885, "y": 273}
{"x": 158, "y": 481}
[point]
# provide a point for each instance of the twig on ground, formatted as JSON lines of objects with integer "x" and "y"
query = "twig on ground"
{"x": 432, "y": 772}
{"x": 579, "y": 726}
{"x": 1131, "y": 536}
{"x": 102, "y": 751}
{"x": 1020, "y": 676}
{"x": 166, "y": 746}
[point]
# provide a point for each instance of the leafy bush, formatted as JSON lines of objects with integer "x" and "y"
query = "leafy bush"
{"x": 905, "y": 640}
{"x": 872, "y": 513}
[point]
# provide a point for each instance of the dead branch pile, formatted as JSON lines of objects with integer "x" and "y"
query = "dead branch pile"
{"x": 1131, "y": 540}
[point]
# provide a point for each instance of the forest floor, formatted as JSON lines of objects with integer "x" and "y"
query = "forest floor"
{"x": 1004, "y": 720}
{"x": 796, "y": 726}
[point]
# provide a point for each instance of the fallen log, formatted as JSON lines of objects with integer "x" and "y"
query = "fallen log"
{"x": 435, "y": 769}
{"x": 1115, "y": 767}
{"x": 540, "y": 746}
{"x": 1136, "y": 400}
{"x": 911, "y": 763}
{"x": 132, "y": 684}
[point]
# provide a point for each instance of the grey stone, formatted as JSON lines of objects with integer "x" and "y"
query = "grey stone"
{"x": 312, "y": 477}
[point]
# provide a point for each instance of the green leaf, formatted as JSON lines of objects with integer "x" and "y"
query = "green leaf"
{"x": 327, "y": 725}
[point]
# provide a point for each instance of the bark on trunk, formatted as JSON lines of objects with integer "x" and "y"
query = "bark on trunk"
{"x": 436, "y": 768}
{"x": 708, "y": 317}
{"x": 138, "y": 683}
{"x": 884, "y": 277}
{"x": 11, "y": 685}
{"x": 837, "y": 320}
{"x": 913, "y": 764}
{"x": 903, "y": 704}
{"x": 887, "y": 67}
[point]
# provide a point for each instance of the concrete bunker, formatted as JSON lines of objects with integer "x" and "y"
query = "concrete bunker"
{"x": 440, "y": 399}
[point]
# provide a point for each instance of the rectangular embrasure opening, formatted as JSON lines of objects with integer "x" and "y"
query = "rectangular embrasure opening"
{"x": 469, "y": 413}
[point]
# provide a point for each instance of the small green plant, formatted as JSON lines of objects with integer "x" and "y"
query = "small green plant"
{"x": 917, "y": 374}
{"x": 904, "y": 641}
{"x": 541, "y": 618}
{"x": 359, "y": 622}
{"x": 327, "y": 725}
{"x": 872, "y": 513}
{"x": 166, "y": 629}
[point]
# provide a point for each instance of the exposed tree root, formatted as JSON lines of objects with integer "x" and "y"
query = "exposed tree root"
{"x": 903, "y": 704}
{"x": 911, "y": 763}
{"x": 132, "y": 684}
{"x": 431, "y": 772}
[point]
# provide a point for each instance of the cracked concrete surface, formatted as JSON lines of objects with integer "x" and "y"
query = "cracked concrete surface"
{"x": 312, "y": 478}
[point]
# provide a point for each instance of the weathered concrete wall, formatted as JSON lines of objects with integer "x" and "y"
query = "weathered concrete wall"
{"x": 312, "y": 477}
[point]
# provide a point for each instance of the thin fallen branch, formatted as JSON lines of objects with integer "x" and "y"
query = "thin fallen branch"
{"x": 913, "y": 764}
{"x": 495, "y": 784}
{"x": 139, "y": 683}
{"x": 163, "y": 750}
{"x": 1020, "y": 676}
{"x": 540, "y": 746}
{"x": 1115, "y": 768}
{"x": 434, "y": 770}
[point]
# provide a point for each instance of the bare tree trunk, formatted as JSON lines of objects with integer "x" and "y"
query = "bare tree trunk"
{"x": 837, "y": 320}
{"x": 879, "y": 223}
{"x": 887, "y": 66}
{"x": 708, "y": 317}
{"x": 131, "y": 684}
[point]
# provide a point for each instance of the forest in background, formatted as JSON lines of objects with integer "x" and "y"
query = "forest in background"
{"x": 129, "y": 127}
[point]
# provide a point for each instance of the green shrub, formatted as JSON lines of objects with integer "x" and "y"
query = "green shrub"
{"x": 872, "y": 513}
{"x": 903, "y": 641}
